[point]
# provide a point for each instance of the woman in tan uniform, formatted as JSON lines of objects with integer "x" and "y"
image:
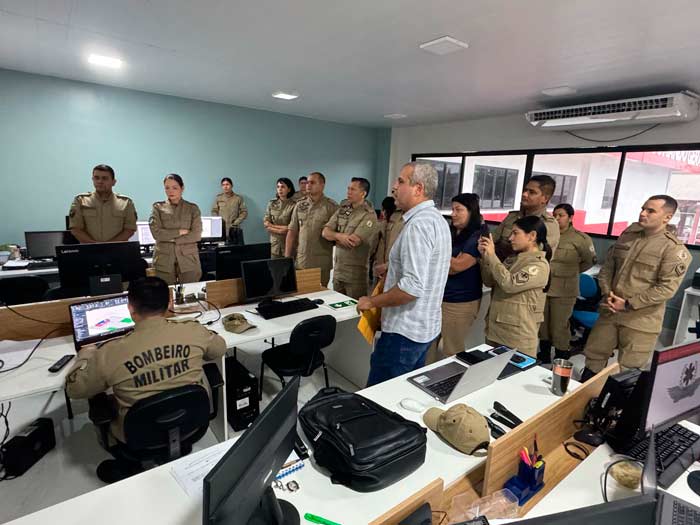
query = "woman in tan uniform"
{"x": 278, "y": 214}
{"x": 176, "y": 225}
{"x": 575, "y": 254}
{"x": 517, "y": 285}
{"x": 390, "y": 225}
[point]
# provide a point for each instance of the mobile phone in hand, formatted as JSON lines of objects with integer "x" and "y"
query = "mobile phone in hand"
{"x": 484, "y": 230}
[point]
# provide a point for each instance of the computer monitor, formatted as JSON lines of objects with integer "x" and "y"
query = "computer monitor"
{"x": 229, "y": 258}
{"x": 42, "y": 245}
{"x": 212, "y": 229}
{"x": 637, "y": 510}
{"x": 268, "y": 278}
{"x": 78, "y": 263}
{"x": 99, "y": 320}
{"x": 237, "y": 489}
{"x": 143, "y": 235}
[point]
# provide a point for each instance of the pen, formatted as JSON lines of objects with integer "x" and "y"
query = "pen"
{"x": 318, "y": 519}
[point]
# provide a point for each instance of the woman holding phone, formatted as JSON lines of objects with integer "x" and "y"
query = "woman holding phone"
{"x": 518, "y": 285}
{"x": 462, "y": 298}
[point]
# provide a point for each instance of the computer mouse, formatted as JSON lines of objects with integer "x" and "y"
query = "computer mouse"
{"x": 589, "y": 435}
{"x": 318, "y": 301}
{"x": 412, "y": 405}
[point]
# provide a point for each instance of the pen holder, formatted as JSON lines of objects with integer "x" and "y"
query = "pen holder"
{"x": 528, "y": 481}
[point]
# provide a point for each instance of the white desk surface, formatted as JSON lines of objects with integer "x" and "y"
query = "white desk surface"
{"x": 154, "y": 496}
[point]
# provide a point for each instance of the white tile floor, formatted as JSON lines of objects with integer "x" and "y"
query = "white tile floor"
{"x": 69, "y": 469}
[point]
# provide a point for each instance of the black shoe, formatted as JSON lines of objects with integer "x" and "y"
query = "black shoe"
{"x": 544, "y": 354}
{"x": 587, "y": 374}
{"x": 112, "y": 470}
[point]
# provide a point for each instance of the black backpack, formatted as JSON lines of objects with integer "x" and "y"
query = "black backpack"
{"x": 364, "y": 446}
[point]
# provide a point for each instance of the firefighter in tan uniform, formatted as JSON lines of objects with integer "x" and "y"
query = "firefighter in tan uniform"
{"x": 309, "y": 217}
{"x": 642, "y": 271}
{"x": 278, "y": 214}
{"x": 352, "y": 228}
{"x": 157, "y": 356}
{"x": 517, "y": 286}
{"x": 102, "y": 216}
{"x": 538, "y": 190}
{"x": 232, "y": 209}
{"x": 575, "y": 254}
{"x": 389, "y": 230}
{"x": 298, "y": 195}
{"x": 176, "y": 225}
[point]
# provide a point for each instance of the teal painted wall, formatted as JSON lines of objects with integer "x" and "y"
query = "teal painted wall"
{"x": 53, "y": 131}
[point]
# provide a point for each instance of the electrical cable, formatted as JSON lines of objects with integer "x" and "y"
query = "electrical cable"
{"x": 3, "y": 303}
{"x": 613, "y": 140}
{"x": 218, "y": 312}
{"x": 3, "y": 370}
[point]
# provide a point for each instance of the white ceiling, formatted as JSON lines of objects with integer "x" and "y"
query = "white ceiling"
{"x": 355, "y": 61}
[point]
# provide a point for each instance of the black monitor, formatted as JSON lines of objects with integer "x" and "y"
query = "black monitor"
{"x": 268, "y": 278}
{"x": 99, "y": 320}
{"x": 237, "y": 489}
{"x": 78, "y": 263}
{"x": 229, "y": 258}
{"x": 42, "y": 245}
{"x": 637, "y": 510}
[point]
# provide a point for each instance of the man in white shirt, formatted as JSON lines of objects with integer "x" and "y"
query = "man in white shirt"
{"x": 419, "y": 263}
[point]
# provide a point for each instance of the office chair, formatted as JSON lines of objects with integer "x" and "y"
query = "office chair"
{"x": 22, "y": 290}
{"x": 158, "y": 429}
{"x": 302, "y": 355}
{"x": 585, "y": 312}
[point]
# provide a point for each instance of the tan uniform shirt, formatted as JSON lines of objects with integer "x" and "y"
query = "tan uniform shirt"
{"x": 157, "y": 356}
{"x": 502, "y": 232}
{"x": 298, "y": 196}
{"x": 279, "y": 212}
{"x": 309, "y": 218}
{"x": 517, "y": 298}
{"x": 389, "y": 230}
{"x": 102, "y": 220}
{"x": 352, "y": 264}
{"x": 166, "y": 222}
{"x": 231, "y": 208}
{"x": 646, "y": 271}
{"x": 575, "y": 254}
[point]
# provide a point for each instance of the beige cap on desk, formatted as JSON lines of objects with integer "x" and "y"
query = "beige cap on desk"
{"x": 236, "y": 323}
{"x": 461, "y": 426}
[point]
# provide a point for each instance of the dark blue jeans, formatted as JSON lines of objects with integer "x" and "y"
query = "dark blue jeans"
{"x": 393, "y": 356}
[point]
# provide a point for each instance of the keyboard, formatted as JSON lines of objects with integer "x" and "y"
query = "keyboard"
{"x": 38, "y": 265}
{"x": 684, "y": 515}
{"x": 445, "y": 387}
{"x": 273, "y": 309}
{"x": 676, "y": 449}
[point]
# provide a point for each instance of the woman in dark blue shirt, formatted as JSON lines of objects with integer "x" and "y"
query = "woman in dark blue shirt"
{"x": 462, "y": 298}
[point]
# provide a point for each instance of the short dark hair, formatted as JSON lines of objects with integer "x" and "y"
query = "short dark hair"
{"x": 226, "y": 179}
{"x": 320, "y": 175}
{"x": 176, "y": 178}
{"x": 104, "y": 167}
{"x": 149, "y": 295}
{"x": 364, "y": 184}
{"x": 303, "y": 177}
{"x": 547, "y": 184}
{"x": 287, "y": 182}
{"x": 568, "y": 208}
{"x": 389, "y": 206}
{"x": 670, "y": 203}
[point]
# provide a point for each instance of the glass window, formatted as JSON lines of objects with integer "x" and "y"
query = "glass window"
{"x": 580, "y": 179}
{"x": 497, "y": 180}
{"x": 608, "y": 193}
{"x": 674, "y": 173}
{"x": 449, "y": 171}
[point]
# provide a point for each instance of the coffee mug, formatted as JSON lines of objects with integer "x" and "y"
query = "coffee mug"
{"x": 561, "y": 374}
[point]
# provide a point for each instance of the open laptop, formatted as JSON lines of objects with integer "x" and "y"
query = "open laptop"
{"x": 453, "y": 380}
{"x": 101, "y": 319}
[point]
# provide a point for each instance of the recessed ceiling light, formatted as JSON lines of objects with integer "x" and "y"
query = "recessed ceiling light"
{"x": 285, "y": 96}
{"x": 559, "y": 91}
{"x": 101, "y": 60}
{"x": 443, "y": 45}
{"x": 395, "y": 116}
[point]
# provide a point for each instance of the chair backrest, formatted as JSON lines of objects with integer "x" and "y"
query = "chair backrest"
{"x": 587, "y": 286}
{"x": 311, "y": 335}
{"x": 150, "y": 422}
{"x": 21, "y": 290}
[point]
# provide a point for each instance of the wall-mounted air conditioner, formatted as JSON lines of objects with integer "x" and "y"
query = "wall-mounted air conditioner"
{"x": 675, "y": 107}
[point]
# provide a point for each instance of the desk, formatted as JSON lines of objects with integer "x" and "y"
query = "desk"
{"x": 155, "y": 497}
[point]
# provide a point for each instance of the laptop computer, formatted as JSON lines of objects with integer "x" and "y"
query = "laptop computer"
{"x": 453, "y": 380}
{"x": 98, "y": 320}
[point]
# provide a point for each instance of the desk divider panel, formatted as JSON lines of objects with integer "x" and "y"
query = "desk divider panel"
{"x": 431, "y": 493}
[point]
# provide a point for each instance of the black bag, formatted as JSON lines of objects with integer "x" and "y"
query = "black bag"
{"x": 364, "y": 446}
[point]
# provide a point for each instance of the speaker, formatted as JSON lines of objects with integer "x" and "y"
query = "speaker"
{"x": 28, "y": 447}
{"x": 241, "y": 395}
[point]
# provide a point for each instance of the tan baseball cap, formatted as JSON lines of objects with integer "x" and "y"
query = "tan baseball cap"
{"x": 236, "y": 323}
{"x": 461, "y": 426}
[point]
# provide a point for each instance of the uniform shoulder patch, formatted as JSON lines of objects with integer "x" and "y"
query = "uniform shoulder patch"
{"x": 522, "y": 277}
{"x": 680, "y": 269}
{"x": 533, "y": 270}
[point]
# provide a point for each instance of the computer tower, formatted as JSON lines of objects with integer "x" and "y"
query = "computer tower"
{"x": 241, "y": 395}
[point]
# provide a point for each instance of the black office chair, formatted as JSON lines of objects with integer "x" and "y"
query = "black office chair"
{"x": 302, "y": 355}
{"x": 22, "y": 290}
{"x": 158, "y": 429}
